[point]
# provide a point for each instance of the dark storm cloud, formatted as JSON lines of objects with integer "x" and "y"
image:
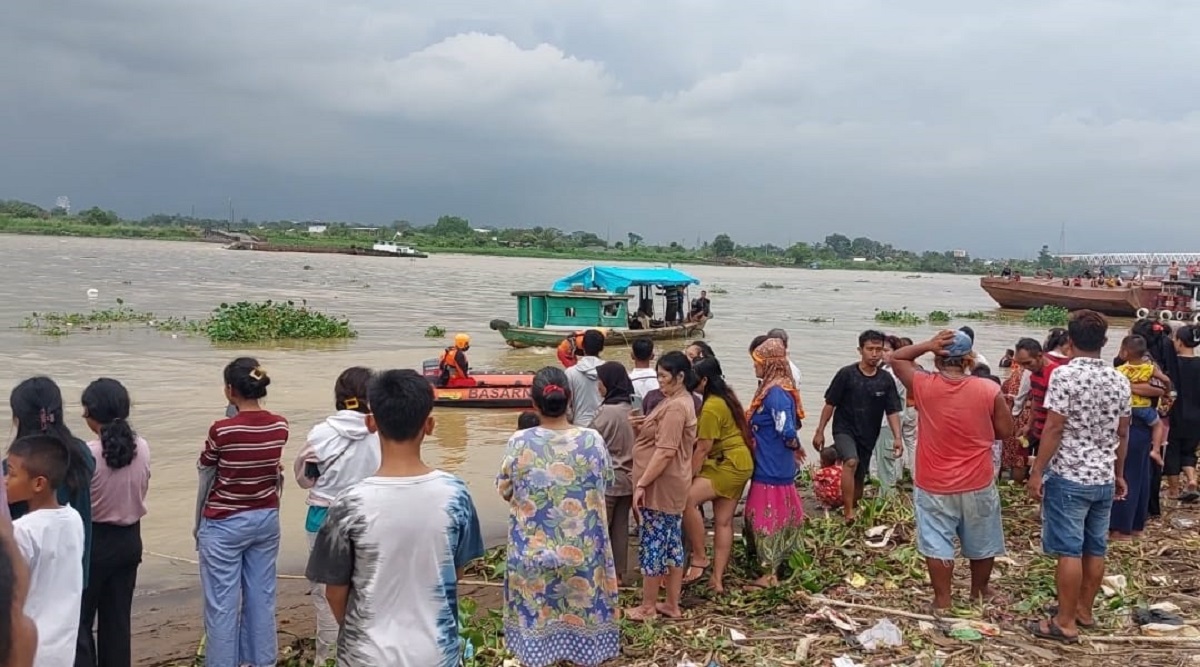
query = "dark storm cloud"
{"x": 936, "y": 123}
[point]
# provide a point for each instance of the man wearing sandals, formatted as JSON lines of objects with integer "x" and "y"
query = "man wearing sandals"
{"x": 1079, "y": 472}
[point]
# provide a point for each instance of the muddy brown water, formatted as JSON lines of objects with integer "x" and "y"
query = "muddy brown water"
{"x": 175, "y": 380}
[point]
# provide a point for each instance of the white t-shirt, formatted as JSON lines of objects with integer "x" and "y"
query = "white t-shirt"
{"x": 795, "y": 373}
{"x": 52, "y": 542}
{"x": 645, "y": 380}
{"x": 397, "y": 541}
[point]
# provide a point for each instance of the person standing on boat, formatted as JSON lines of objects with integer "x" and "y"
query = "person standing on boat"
{"x": 674, "y": 298}
{"x": 453, "y": 364}
{"x": 701, "y": 308}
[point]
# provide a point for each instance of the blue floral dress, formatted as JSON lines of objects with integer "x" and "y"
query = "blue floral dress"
{"x": 560, "y": 584}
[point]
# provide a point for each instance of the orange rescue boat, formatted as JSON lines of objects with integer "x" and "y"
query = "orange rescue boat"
{"x": 493, "y": 389}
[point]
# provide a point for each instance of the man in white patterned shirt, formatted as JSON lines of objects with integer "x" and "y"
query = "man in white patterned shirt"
{"x": 1079, "y": 472}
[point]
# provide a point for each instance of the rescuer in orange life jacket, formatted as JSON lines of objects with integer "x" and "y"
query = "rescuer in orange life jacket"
{"x": 571, "y": 346}
{"x": 453, "y": 364}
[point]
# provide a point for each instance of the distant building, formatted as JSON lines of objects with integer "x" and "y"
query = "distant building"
{"x": 317, "y": 229}
{"x": 959, "y": 254}
{"x": 859, "y": 259}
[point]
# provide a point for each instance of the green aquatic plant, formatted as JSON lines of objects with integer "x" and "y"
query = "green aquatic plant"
{"x": 434, "y": 331}
{"x": 902, "y": 317}
{"x": 972, "y": 315}
{"x": 1048, "y": 316}
{"x": 938, "y": 317}
{"x": 60, "y": 324}
{"x": 249, "y": 322}
{"x": 717, "y": 289}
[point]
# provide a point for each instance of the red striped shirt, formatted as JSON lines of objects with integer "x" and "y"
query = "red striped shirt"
{"x": 1039, "y": 382}
{"x": 245, "y": 449}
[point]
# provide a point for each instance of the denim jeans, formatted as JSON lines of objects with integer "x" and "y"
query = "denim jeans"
{"x": 972, "y": 517}
{"x": 237, "y": 573}
{"x": 1075, "y": 517}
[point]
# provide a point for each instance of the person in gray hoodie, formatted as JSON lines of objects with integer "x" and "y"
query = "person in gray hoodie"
{"x": 585, "y": 384}
{"x": 339, "y": 453}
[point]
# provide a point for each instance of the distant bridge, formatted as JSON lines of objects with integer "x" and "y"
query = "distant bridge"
{"x": 1135, "y": 258}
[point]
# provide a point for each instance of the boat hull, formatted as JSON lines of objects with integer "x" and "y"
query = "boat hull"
{"x": 530, "y": 337}
{"x": 1027, "y": 293}
{"x": 494, "y": 390}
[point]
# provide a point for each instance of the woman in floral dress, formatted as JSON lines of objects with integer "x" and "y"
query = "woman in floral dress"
{"x": 560, "y": 585}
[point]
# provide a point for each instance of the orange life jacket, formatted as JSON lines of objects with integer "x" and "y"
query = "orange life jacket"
{"x": 569, "y": 349}
{"x": 449, "y": 364}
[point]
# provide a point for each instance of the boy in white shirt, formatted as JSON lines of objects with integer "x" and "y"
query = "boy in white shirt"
{"x": 50, "y": 538}
{"x": 393, "y": 545}
{"x": 643, "y": 375}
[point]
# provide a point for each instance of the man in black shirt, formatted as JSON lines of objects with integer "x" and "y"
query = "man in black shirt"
{"x": 701, "y": 308}
{"x": 857, "y": 400}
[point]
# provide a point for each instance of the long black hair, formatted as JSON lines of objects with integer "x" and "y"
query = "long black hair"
{"x": 37, "y": 405}
{"x": 107, "y": 403}
{"x": 1158, "y": 345}
{"x": 710, "y": 371}
{"x": 677, "y": 363}
{"x": 551, "y": 393}
{"x": 706, "y": 351}
{"x": 350, "y": 390}
{"x": 1056, "y": 338}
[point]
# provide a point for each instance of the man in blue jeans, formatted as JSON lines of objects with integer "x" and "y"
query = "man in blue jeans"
{"x": 1079, "y": 472}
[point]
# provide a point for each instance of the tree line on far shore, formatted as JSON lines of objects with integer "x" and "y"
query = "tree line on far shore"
{"x": 453, "y": 233}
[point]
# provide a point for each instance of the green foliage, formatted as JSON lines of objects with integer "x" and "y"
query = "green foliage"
{"x": 901, "y": 317}
{"x": 938, "y": 317}
{"x": 61, "y": 324}
{"x": 247, "y": 322}
{"x": 972, "y": 315}
{"x": 434, "y": 331}
{"x": 1048, "y": 316}
{"x": 101, "y": 218}
{"x": 21, "y": 209}
{"x": 450, "y": 225}
{"x": 723, "y": 246}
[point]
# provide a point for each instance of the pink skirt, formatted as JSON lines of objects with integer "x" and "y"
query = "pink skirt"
{"x": 771, "y": 508}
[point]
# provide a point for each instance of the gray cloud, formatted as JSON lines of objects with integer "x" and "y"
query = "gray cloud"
{"x": 928, "y": 123}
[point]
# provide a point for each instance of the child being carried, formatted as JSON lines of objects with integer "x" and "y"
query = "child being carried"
{"x": 1139, "y": 368}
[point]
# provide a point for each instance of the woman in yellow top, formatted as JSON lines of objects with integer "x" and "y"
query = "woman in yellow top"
{"x": 722, "y": 465}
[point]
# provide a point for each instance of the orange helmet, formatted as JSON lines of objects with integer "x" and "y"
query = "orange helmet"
{"x": 462, "y": 341}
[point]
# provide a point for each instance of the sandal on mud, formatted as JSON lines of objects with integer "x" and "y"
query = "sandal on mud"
{"x": 1189, "y": 496}
{"x": 699, "y": 570}
{"x": 1052, "y": 610}
{"x": 1052, "y": 632}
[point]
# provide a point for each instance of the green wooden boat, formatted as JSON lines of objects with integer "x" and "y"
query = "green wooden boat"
{"x": 598, "y": 298}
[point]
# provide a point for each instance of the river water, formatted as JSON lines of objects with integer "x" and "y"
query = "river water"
{"x": 176, "y": 380}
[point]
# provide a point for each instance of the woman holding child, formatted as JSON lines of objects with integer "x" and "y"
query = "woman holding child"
{"x": 560, "y": 585}
{"x": 722, "y": 466}
{"x": 773, "y": 508}
{"x": 238, "y": 537}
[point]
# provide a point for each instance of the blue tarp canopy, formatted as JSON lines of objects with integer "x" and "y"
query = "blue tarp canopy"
{"x": 617, "y": 279}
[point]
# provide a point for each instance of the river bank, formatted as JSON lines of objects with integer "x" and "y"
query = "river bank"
{"x": 333, "y": 242}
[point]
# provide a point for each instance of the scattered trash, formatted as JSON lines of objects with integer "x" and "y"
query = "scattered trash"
{"x": 802, "y": 648}
{"x": 686, "y": 663}
{"x": 883, "y": 633}
{"x": 1154, "y": 616}
{"x": 1169, "y": 630}
{"x": 1114, "y": 584}
{"x": 736, "y": 635}
{"x": 926, "y": 627}
{"x": 845, "y": 661}
{"x": 1162, "y": 580}
{"x": 965, "y": 634}
{"x": 985, "y": 629}
{"x": 1005, "y": 561}
{"x": 839, "y": 621}
{"x": 93, "y": 293}
{"x": 1183, "y": 523}
{"x": 879, "y": 536}
{"x": 856, "y": 580}
{"x": 1169, "y": 607}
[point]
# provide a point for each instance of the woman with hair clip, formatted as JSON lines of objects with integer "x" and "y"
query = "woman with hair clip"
{"x": 37, "y": 408}
{"x": 721, "y": 465}
{"x": 238, "y": 537}
{"x": 662, "y": 473}
{"x": 119, "y": 489}
{"x": 560, "y": 585}
{"x": 339, "y": 453}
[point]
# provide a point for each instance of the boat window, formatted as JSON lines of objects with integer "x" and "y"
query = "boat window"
{"x": 570, "y": 312}
{"x": 611, "y": 308}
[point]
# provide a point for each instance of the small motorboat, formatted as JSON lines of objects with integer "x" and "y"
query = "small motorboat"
{"x": 494, "y": 389}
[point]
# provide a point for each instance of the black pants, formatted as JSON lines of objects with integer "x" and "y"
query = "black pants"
{"x": 108, "y": 599}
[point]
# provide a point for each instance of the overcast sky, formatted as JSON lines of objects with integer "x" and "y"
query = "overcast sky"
{"x": 925, "y": 123}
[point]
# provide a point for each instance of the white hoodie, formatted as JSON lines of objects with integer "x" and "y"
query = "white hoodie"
{"x": 585, "y": 390}
{"x": 345, "y": 453}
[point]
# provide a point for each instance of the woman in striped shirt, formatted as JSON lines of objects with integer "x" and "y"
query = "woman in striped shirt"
{"x": 239, "y": 533}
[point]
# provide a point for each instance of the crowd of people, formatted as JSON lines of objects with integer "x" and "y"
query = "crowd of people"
{"x": 603, "y": 445}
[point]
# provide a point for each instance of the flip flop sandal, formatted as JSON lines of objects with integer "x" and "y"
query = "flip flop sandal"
{"x": 1052, "y": 633}
{"x": 1189, "y": 496}
{"x": 700, "y": 569}
{"x": 1052, "y": 611}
